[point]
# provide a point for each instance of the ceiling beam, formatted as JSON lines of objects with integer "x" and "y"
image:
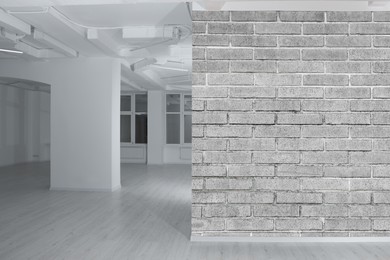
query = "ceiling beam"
{"x": 103, "y": 41}
{"x": 53, "y": 43}
{"x": 37, "y": 53}
{"x": 142, "y": 63}
{"x": 13, "y": 24}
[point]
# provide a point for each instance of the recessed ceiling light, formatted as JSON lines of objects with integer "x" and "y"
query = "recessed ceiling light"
{"x": 11, "y": 51}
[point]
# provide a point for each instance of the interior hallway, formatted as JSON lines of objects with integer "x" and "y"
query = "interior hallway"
{"x": 149, "y": 218}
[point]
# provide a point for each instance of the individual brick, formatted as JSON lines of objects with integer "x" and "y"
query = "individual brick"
{"x": 381, "y": 118}
{"x": 302, "y": 92}
{"x": 293, "y": 170}
{"x": 275, "y": 157}
{"x": 347, "y": 197}
{"x": 228, "y": 184}
{"x": 197, "y": 131}
{"x": 209, "y": 118}
{"x": 276, "y": 105}
{"x": 249, "y": 224}
{"x": 230, "y": 79}
{"x": 326, "y": 80}
{"x": 300, "y": 67}
{"x": 381, "y": 145}
{"x": 298, "y": 197}
{"x": 277, "y": 54}
{"x": 252, "y": 92}
{"x": 208, "y": 171}
{"x": 230, "y": 28}
{"x": 301, "y": 41}
{"x": 381, "y": 67}
{"x": 229, "y": 54}
{"x": 198, "y": 27}
{"x": 325, "y": 131}
{"x": 324, "y": 157}
{"x": 196, "y": 212}
{"x": 348, "y": 41}
{"x": 210, "y": 66}
{"x": 246, "y": 144}
{"x": 325, "y": 54}
{"x": 277, "y": 79}
{"x": 250, "y": 197}
{"x": 207, "y": 224}
{"x": 325, "y": 29}
{"x": 254, "y": 16}
{"x": 275, "y": 234}
{"x": 197, "y": 105}
{"x": 197, "y": 157}
{"x": 197, "y": 183}
{"x": 198, "y": 53}
{"x": 198, "y": 79}
{"x": 381, "y": 224}
{"x": 278, "y": 28}
{"x": 370, "y": 211}
{"x": 298, "y": 224}
{"x": 324, "y": 211}
{"x": 302, "y": 16}
{"x": 347, "y": 93}
{"x": 229, "y": 131}
{"x": 253, "y": 66}
{"x": 347, "y": 224}
{"x": 348, "y": 145}
{"x": 381, "y": 171}
{"x": 370, "y": 131}
{"x": 381, "y": 197}
{"x": 277, "y": 131}
{"x": 211, "y": 211}
{"x": 349, "y": 16}
{"x": 369, "y": 54}
{"x": 347, "y": 171}
{"x": 370, "y": 28}
{"x": 381, "y": 41}
{"x": 299, "y": 119}
{"x": 210, "y": 16}
{"x": 325, "y": 105}
{"x": 210, "y": 40}
{"x": 347, "y": 118}
{"x": 209, "y": 144}
{"x": 370, "y": 184}
{"x": 253, "y": 41}
{"x": 370, "y": 80}
{"x": 297, "y": 144}
{"x": 370, "y": 157}
{"x": 208, "y": 197}
{"x": 251, "y": 118}
{"x": 370, "y": 105}
{"x": 381, "y": 16}
{"x": 221, "y": 157}
{"x": 276, "y": 211}
{"x": 250, "y": 170}
{"x": 324, "y": 184}
{"x": 276, "y": 184}
{"x": 209, "y": 92}
{"x": 229, "y": 104}
{"x": 348, "y": 67}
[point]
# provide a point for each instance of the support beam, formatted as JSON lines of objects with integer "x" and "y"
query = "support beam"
{"x": 103, "y": 41}
{"x": 36, "y": 53}
{"x": 13, "y": 24}
{"x": 53, "y": 43}
{"x": 142, "y": 63}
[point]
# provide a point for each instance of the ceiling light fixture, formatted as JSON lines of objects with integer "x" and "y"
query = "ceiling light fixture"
{"x": 11, "y": 51}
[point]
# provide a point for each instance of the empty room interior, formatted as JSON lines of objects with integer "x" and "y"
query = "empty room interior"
{"x": 194, "y": 130}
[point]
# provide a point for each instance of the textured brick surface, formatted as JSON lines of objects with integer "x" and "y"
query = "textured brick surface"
{"x": 291, "y": 123}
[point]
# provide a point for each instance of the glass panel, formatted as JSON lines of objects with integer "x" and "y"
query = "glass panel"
{"x": 173, "y": 102}
{"x": 125, "y": 103}
{"x": 187, "y": 102}
{"x": 187, "y": 129}
{"x": 173, "y": 129}
{"x": 125, "y": 129}
{"x": 141, "y": 129}
{"x": 141, "y": 103}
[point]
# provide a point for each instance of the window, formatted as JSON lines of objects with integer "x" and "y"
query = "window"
{"x": 178, "y": 119}
{"x": 134, "y": 118}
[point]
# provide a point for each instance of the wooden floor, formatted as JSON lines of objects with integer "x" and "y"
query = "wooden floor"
{"x": 148, "y": 219}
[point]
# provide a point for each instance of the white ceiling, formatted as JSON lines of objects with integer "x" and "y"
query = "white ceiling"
{"x": 133, "y": 32}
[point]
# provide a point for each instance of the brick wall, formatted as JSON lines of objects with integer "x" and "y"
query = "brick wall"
{"x": 291, "y": 124}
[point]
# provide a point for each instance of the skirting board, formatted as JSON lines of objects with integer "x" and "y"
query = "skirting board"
{"x": 81, "y": 189}
{"x": 291, "y": 239}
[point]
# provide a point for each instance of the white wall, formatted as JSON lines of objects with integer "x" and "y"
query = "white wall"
{"x": 85, "y": 118}
{"x": 24, "y": 125}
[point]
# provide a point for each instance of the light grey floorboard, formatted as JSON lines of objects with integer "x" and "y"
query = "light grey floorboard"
{"x": 149, "y": 218}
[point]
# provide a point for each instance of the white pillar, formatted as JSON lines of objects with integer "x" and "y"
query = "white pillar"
{"x": 156, "y": 126}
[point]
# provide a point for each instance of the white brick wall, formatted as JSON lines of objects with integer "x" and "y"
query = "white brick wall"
{"x": 291, "y": 123}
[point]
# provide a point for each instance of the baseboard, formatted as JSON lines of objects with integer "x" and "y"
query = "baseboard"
{"x": 83, "y": 189}
{"x": 291, "y": 239}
